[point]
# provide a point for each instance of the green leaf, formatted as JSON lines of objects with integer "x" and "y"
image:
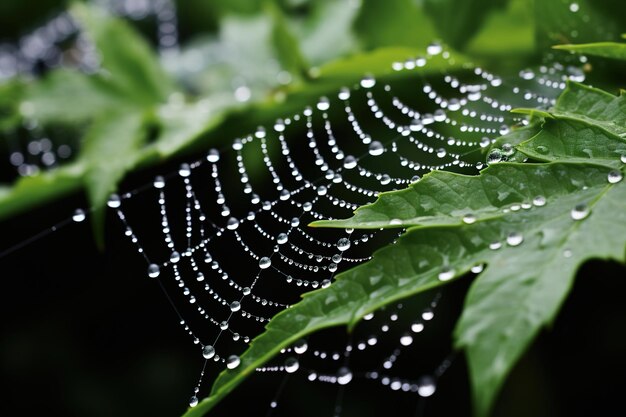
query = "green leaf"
{"x": 527, "y": 298}
{"x": 553, "y": 216}
{"x": 586, "y": 124}
{"x": 613, "y": 50}
{"x": 393, "y": 23}
{"x": 131, "y": 65}
{"x": 110, "y": 149}
{"x": 458, "y": 21}
{"x": 87, "y": 97}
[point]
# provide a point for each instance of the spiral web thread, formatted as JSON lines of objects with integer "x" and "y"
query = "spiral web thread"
{"x": 232, "y": 214}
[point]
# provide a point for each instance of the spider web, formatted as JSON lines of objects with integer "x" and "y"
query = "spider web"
{"x": 232, "y": 246}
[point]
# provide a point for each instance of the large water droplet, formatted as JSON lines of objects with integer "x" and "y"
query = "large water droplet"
{"x": 233, "y": 361}
{"x": 300, "y": 347}
{"x": 114, "y": 201}
{"x": 232, "y": 223}
{"x": 159, "y": 182}
{"x": 376, "y": 148}
{"x": 282, "y": 238}
{"x": 446, "y": 274}
{"x": 623, "y": 159}
{"x": 349, "y": 162}
{"x": 580, "y": 211}
{"x": 291, "y": 365}
{"x": 434, "y": 48}
{"x": 574, "y": 7}
{"x": 477, "y": 269}
{"x": 153, "y": 270}
{"x": 208, "y": 351}
{"x": 426, "y": 386}
{"x": 495, "y": 156}
{"x": 213, "y": 155}
{"x": 343, "y": 244}
{"x": 514, "y": 239}
{"x": 539, "y": 201}
{"x": 406, "y": 339}
{"x": 469, "y": 218}
{"x": 323, "y": 104}
{"x": 368, "y": 81}
{"x": 265, "y": 262}
{"x": 193, "y": 401}
{"x": 174, "y": 257}
{"x": 79, "y": 215}
{"x": 344, "y": 375}
{"x": 344, "y": 94}
{"x": 235, "y": 306}
{"x": 614, "y": 177}
{"x": 184, "y": 170}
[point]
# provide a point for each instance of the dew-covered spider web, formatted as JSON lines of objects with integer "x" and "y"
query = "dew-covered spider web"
{"x": 227, "y": 240}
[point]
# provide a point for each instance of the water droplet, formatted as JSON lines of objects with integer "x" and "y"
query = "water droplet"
{"x": 417, "y": 327}
{"x": 344, "y": 94}
{"x": 495, "y": 156}
{"x": 514, "y": 239}
{"x": 495, "y": 245}
{"x": 527, "y": 74}
{"x": 153, "y": 270}
{"x": 477, "y": 269}
{"x": 349, "y": 162}
{"x": 79, "y": 215}
{"x": 193, "y": 401}
{"x": 343, "y": 244}
{"x": 484, "y": 142}
{"x": 567, "y": 253}
{"x": 233, "y": 361}
{"x": 282, "y": 238}
{"x": 426, "y": 386}
{"x": 235, "y": 306}
{"x": 184, "y": 170}
{"x": 300, "y": 346}
{"x": 434, "y": 48}
{"x": 208, "y": 351}
{"x": 580, "y": 211}
{"x": 623, "y": 159}
{"x": 232, "y": 223}
{"x": 159, "y": 182}
{"x": 174, "y": 257}
{"x": 614, "y": 177}
{"x": 376, "y": 148}
{"x": 344, "y": 375}
{"x": 542, "y": 149}
{"x": 507, "y": 149}
{"x": 406, "y": 339}
{"x": 428, "y": 314}
{"x": 469, "y": 218}
{"x": 446, "y": 274}
{"x": 539, "y": 201}
{"x": 368, "y": 81}
{"x": 265, "y": 262}
{"x": 114, "y": 201}
{"x": 323, "y": 104}
{"x": 213, "y": 156}
{"x": 291, "y": 365}
{"x": 246, "y": 290}
{"x": 574, "y": 7}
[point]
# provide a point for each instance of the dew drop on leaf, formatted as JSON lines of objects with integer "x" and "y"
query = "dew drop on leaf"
{"x": 580, "y": 211}
{"x": 469, "y": 218}
{"x": 514, "y": 239}
{"x": 446, "y": 274}
{"x": 193, "y": 401}
{"x": 539, "y": 201}
{"x": 233, "y": 361}
{"x": 614, "y": 177}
